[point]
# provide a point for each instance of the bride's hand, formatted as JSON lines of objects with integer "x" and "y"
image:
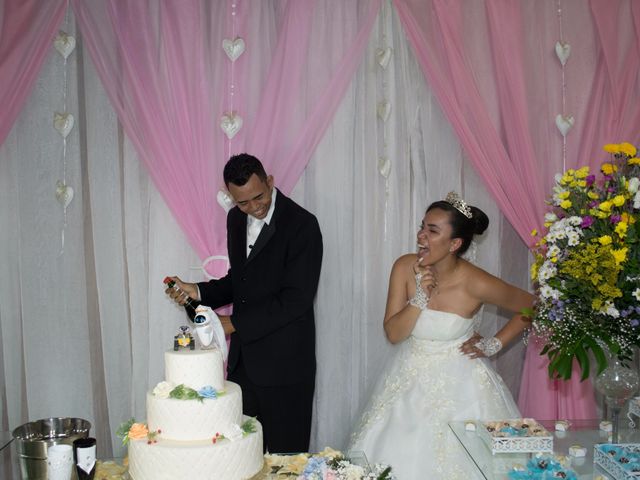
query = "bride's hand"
{"x": 469, "y": 347}
{"x": 428, "y": 280}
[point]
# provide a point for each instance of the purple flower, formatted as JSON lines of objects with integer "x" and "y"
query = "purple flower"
{"x": 586, "y": 221}
{"x": 635, "y": 322}
{"x": 615, "y": 218}
{"x": 590, "y": 179}
{"x": 593, "y": 204}
{"x": 611, "y": 189}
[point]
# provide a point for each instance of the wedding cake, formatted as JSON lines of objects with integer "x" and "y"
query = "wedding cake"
{"x": 195, "y": 428}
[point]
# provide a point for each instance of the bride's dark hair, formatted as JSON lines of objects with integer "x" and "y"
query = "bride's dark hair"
{"x": 461, "y": 226}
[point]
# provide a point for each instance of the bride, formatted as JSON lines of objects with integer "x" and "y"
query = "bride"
{"x": 439, "y": 372}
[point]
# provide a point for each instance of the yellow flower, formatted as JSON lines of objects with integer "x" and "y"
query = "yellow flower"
{"x": 611, "y": 148}
{"x": 592, "y": 195}
{"x": 621, "y": 229}
{"x": 565, "y": 204}
{"x": 582, "y": 172}
{"x": 608, "y": 168}
{"x": 534, "y": 232}
{"x": 625, "y": 217}
{"x": 563, "y": 195}
{"x": 628, "y": 149}
{"x": 633, "y": 161}
{"x": 604, "y": 240}
{"x": 618, "y": 200}
{"x": 581, "y": 183}
{"x": 619, "y": 255}
{"x": 605, "y": 206}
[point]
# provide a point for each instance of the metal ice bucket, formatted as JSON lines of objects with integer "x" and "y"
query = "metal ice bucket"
{"x": 34, "y": 438}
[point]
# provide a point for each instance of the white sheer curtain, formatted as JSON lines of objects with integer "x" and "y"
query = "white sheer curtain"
{"x": 82, "y": 332}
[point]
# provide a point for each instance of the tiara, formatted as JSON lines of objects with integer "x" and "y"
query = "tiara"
{"x": 459, "y": 204}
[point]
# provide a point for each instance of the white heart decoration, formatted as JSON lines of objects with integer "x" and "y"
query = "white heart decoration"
{"x": 564, "y": 123}
{"x": 64, "y": 44}
{"x": 384, "y": 110}
{"x": 383, "y": 55}
{"x": 230, "y": 123}
{"x": 563, "y": 50}
{"x": 224, "y": 200}
{"x": 63, "y": 123}
{"x": 233, "y": 48}
{"x": 64, "y": 193}
{"x": 384, "y": 166}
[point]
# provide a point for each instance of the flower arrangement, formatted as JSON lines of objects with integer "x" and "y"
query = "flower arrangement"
{"x": 327, "y": 465}
{"x": 587, "y": 265}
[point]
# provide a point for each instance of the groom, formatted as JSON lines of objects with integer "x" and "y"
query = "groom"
{"x": 275, "y": 253}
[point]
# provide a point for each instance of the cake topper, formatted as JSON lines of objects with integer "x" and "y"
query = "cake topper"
{"x": 209, "y": 330}
{"x": 184, "y": 339}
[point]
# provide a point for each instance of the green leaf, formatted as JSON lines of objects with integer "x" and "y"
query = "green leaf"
{"x": 601, "y": 358}
{"x": 583, "y": 361}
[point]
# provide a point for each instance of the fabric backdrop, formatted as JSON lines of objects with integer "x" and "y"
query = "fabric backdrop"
{"x": 101, "y": 299}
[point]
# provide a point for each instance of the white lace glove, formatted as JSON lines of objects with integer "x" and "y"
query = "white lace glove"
{"x": 420, "y": 298}
{"x": 489, "y": 346}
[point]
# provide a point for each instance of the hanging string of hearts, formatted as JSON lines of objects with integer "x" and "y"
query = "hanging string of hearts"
{"x": 63, "y": 123}
{"x": 564, "y": 122}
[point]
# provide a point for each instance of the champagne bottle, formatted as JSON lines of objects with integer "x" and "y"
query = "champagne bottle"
{"x": 190, "y": 305}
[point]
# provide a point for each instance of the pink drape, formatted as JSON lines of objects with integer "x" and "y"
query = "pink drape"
{"x": 164, "y": 68}
{"x": 492, "y": 67}
{"x": 27, "y": 30}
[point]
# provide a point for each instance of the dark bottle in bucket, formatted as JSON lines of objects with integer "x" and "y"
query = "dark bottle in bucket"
{"x": 84, "y": 456}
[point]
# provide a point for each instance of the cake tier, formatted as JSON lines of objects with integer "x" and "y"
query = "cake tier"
{"x": 194, "y": 419}
{"x": 204, "y": 460}
{"x": 194, "y": 368}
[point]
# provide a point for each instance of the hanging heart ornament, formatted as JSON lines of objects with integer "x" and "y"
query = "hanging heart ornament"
{"x": 384, "y": 110}
{"x": 224, "y": 200}
{"x": 64, "y": 193}
{"x": 564, "y": 123}
{"x": 384, "y": 166}
{"x": 230, "y": 123}
{"x": 233, "y": 48}
{"x": 563, "y": 50}
{"x": 383, "y": 55}
{"x": 64, "y": 44}
{"x": 63, "y": 123}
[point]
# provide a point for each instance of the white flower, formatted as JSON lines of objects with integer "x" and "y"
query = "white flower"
{"x": 553, "y": 251}
{"x": 547, "y": 292}
{"x": 636, "y": 294}
{"x": 610, "y": 309}
{"x": 547, "y": 271}
{"x": 573, "y": 238}
{"x": 634, "y": 184}
{"x": 233, "y": 432}
{"x": 574, "y": 220}
{"x": 163, "y": 389}
{"x": 558, "y": 177}
{"x": 636, "y": 200}
{"x": 550, "y": 217}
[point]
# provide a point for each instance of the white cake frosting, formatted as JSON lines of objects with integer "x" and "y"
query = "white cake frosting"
{"x": 193, "y": 419}
{"x": 201, "y": 438}
{"x": 172, "y": 460}
{"x": 194, "y": 368}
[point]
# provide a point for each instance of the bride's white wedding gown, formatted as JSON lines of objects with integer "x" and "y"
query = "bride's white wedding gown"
{"x": 427, "y": 384}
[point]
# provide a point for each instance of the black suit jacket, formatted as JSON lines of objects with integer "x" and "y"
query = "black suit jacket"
{"x": 272, "y": 292}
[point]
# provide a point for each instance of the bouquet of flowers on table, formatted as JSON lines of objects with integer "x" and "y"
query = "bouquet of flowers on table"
{"x": 587, "y": 265}
{"x": 327, "y": 465}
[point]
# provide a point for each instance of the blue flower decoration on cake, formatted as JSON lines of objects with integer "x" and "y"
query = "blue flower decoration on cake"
{"x": 208, "y": 392}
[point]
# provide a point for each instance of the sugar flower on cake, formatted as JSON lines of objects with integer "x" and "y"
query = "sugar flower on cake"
{"x": 208, "y": 392}
{"x": 233, "y": 432}
{"x": 163, "y": 389}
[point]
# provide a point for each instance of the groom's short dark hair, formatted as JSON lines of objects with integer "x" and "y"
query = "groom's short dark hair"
{"x": 240, "y": 167}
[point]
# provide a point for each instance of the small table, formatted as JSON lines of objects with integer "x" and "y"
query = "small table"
{"x": 581, "y": 432}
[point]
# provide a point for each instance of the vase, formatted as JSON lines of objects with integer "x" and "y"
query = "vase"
{"x": 617, "y": 383}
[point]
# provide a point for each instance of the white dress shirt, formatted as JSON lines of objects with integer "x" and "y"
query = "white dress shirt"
{"x": 254, "y": 225}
